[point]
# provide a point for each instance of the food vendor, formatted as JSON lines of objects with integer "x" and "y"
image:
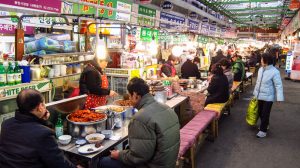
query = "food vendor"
{"x": 94, "y": 83}
{"x": 168, "y": 69}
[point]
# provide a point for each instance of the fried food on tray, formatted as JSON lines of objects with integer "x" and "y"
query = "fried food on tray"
{"x": 86, "y": 116}
{"x": 116, "y": 109}
{"x": 124, "y": 103}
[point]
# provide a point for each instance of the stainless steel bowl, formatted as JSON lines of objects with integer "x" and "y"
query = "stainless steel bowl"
{"x": 82, "y": 129}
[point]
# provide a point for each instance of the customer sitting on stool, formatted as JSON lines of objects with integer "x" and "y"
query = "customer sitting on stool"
{"x": 153, "y": 133}
{"x": 218, "y": 86}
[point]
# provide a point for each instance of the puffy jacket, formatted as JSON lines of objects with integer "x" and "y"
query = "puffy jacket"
{"x": 27, "y": 142}
{"x": 271, "y": 85}
{"x": 238, "y": 70}
{"x": 153, "y": 135}
{"x": 218, "y": 90}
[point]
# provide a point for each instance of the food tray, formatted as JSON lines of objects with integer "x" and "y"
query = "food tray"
{"x": 87, "y": 123}
{"x": 108, "y": 107}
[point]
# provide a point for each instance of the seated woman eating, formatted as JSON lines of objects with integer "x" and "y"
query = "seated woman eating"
{"x": 218, "y": 86}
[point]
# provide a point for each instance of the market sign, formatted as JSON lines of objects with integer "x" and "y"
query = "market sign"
{"x": 289, "y": 62}
{"x": 148, "y": 34}
{"x": 10, "y": 29}
{"x": 142, "y": 10}
{"x": 166, "y": 6}
{"x": 124, "y": 6}
{"x": 202, "y": 39}
{"x": 193, "y": 25}
{"x": 164, "y": 37}
{"x": 85, "y": 9}
{"x": 44, "y": 5}
{"x": 172, "y": 18}
{"x": 220, "y": 41}
{"x": 143, "y": 1}
{"x": 193, "y": 15}
{"x": 7, "y": 92}
{"x": 204, "y": 28}
{"x": 179, "y": 39}
{"x": 110, "y": 14}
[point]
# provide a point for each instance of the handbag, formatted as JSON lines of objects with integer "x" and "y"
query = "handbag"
{"x": 252, "y": 111}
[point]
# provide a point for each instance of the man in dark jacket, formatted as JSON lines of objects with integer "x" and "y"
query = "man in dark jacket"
{"x": 189, "y": 69}
{"x": 217, "y": 59}
{"x": 26, "y": 141}
{"x": 153, "y": 133}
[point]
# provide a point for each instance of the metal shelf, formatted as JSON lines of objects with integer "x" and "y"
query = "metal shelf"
{"x": 65, "y": 76}
{"x": 73, "y": 62}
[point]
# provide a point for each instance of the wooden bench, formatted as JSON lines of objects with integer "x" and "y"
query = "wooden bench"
{"x": 193, "y": 133}
{"x": 219, "y": 108}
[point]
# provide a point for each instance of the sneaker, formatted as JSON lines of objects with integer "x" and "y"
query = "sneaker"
{"x": 261, "y": 134}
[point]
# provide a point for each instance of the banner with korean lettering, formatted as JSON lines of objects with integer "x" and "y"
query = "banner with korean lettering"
{"x": 85, "y": 9}
{"x": 10, "y": 29}
{"x": 212, "y": 30}
{"x": 204, "y": 28}
{"x": 147, "y": 12}
{"x": 172, "y": 18}
{"x": 193, "y": 25}
{"x": 45, "y": 5}
{"x": 147, "y": 34}
{"x": 124, "y": 6}
{"x": 110, "y": 14}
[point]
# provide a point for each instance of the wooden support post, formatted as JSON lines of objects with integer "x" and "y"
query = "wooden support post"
{"x": 193, "y": 153}
{"x": 19, "y": 44}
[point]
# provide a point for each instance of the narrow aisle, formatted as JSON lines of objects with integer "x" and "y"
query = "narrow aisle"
{"x": 238, "y": 147}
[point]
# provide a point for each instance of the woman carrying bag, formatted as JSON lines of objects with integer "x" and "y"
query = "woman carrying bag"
{"x": 268, "y": 89}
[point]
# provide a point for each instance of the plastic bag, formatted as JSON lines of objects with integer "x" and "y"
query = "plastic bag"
{"x": 252, "y": 112}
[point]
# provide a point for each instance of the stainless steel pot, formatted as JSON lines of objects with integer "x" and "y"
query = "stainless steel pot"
{"x": 161, "y": 96}
{"x": 81, "y": 129}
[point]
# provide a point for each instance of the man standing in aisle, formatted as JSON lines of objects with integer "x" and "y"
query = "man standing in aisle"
{"x": 153, "y": 133}
{"x": 238, "y": 68}
{"x": 26, "y": 141}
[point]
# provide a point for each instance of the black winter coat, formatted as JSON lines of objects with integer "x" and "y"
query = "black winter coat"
{"x": 26, "y": 142}
{"x": 189, "y": 69}
{"x": 90, "y": 82}
{"x": 218, "y": 90}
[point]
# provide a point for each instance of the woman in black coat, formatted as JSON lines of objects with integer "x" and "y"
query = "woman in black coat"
{"x": 218, "y": 86}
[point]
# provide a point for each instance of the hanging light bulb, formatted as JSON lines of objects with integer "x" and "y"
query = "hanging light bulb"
{"x": 101, "y": 51}
{"x": 153, "y": 46}
{"x": 177, "y": 51}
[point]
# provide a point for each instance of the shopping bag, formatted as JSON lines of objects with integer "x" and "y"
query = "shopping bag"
{"x": 252, "y": 112}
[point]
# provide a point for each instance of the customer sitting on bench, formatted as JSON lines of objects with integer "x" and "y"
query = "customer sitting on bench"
{"x": 218, "y": 86}
{"x": 153, "y": 133}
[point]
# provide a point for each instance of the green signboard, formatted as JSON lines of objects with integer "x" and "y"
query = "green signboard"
{"x": 84, "y": 9}
{"x": 220, "y": 41}
{"x": 110, "y": 14}
{"x": 147, "y": 34}
{"x": 147, "y": 12}
{"x": 202, "y": 39}
{"x": 178, "y": 39}
{"x": 6, "y": 92}
{"x": 164, "y": 37}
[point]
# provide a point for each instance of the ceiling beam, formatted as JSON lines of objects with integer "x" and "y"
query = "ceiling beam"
{"x": 258, "y": 9}
{"x": 242, "y": 1}
{"x": 264, "y": 13}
